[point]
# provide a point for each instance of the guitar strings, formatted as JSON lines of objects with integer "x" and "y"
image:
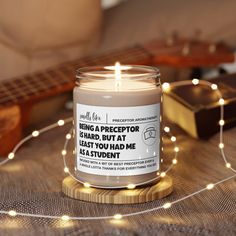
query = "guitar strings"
{"x": 13, "y": 92}
{"x": 125, "y": 56}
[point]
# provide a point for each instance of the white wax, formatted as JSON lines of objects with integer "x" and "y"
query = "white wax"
{"x": 122, "y": 85}
{"x": 111, "y": 93}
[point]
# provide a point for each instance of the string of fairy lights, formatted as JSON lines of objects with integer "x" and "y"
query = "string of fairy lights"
{"x": 166, "y": 87}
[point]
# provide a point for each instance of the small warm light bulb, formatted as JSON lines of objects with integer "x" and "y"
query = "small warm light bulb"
{"x": 63, "y": 152}
{"x": 221, "y": 122}
{"x": 174, "y": 161}
{"x": 131, "y": 186}
{"x": 166, "y": 87}
{"x": 12, "y": 213}
{"x": 117, "y": 216}
{"x": 167, "y": 205}
{"x": 65, "y": 217}
{"x": 176, "y": 149}
{"x": 195, "y": 81}
{"x": 173, "y": 138}
{"x": 11, "y": 155}
{"x": 35, "y": 133}
{"x": 210, "y": 186}
{"x": 61, "y": 122}
{"x": 221, "y": 101}
{"x": 163, "y": 174}
{"x": 158, "y": 173}
{"x": 68, "y": 136}
{"x": 228, "y": 165}
{"x": 87, "y": 185}
{"x": 167, "y": 129}
{"x": 214, "y": 87}
{"x": 221, "y": 145}
{"x": 66, "y": 170}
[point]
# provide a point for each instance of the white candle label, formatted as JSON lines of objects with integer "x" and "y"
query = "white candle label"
{"x": 118, "y": 141}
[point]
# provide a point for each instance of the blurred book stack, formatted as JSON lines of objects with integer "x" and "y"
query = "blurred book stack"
{"x": 196, "y": 109}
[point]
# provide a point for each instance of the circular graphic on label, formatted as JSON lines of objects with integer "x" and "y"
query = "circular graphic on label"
{"x": 149, "y": 134}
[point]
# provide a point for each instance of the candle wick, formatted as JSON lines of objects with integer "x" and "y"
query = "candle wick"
{"x": 117, "y": 85}
{"x": 117, "y": 71}
{"x": 117, "y": 75}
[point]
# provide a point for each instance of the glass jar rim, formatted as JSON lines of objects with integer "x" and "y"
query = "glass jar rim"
{"x": 127, "y": 72}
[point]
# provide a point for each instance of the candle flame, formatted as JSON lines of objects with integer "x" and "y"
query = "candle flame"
{"x": 117, "y": 71}
{"x": 117, "y": 68}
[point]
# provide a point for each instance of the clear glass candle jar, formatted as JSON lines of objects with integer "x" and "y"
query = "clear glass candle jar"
{"x": 117, "y": 116}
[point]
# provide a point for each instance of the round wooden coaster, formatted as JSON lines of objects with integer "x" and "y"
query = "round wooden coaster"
{"x": 76, "y": 190}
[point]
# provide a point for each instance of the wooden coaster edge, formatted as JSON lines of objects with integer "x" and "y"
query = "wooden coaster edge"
{"x": 76, "y": 190}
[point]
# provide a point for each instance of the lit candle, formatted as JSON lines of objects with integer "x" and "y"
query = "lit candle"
{"x": 117, "y": 112}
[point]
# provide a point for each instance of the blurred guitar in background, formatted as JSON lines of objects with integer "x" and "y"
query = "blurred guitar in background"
{"x": 19, "y": 95}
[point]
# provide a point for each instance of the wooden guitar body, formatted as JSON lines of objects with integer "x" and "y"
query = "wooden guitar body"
{"x": 10, "y": 128}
